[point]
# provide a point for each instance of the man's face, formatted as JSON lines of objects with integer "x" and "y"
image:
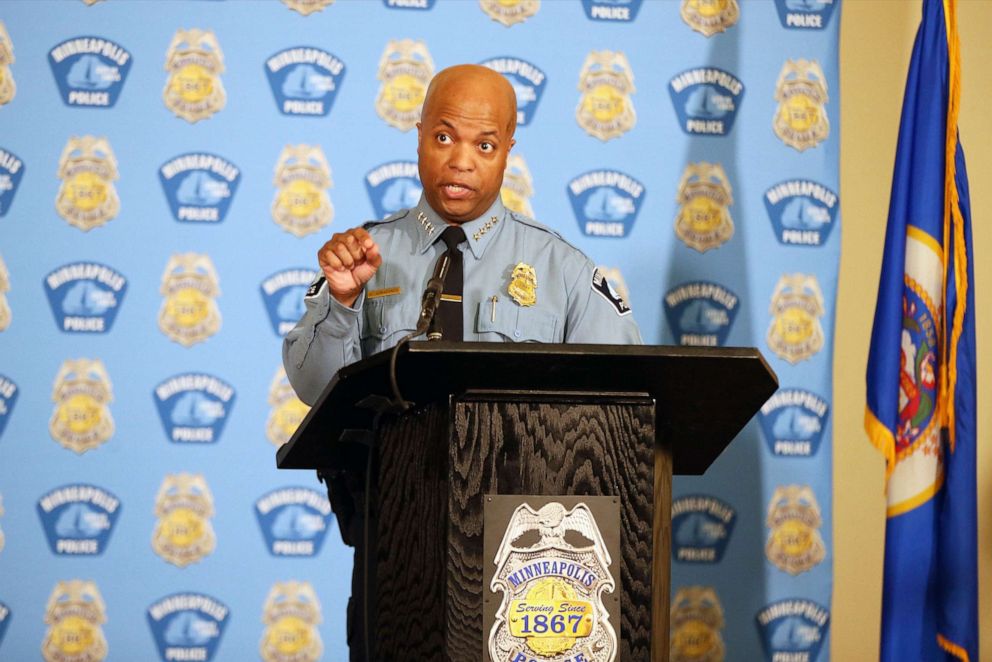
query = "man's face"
{"x": 464, "y": 137}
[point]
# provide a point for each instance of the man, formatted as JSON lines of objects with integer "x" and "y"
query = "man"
{"x": 511, "y": 279}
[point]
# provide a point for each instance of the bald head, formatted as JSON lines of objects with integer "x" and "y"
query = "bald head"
{"x": 478, "y": 82}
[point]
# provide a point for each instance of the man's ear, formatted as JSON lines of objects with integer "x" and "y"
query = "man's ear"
{"x": 512, "y": 143}
{"x": 420, "y": 135}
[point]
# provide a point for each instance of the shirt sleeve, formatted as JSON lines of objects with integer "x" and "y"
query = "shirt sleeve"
{"x": 325, "y": 339}
{"x": 596, "y": 313}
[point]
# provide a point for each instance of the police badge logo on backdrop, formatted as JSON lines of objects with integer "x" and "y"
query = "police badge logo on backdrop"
{"x": 199, "y": 186}
{"x": 801, "y": 120}
{"x": 704, "y": 198}
{"x": 518, "y": 186}
{"x": 805, "y": 14}
{"x": 696, "y": 625}
{"x": 510, "y": 12}
{"x": 287, "y": 411}
{"x": 605, "y": 202}
{"x": 528, "y": 83}
{"x": 302, "y": 176}
{"x": 605, "y": 109}
{"x": 282, "y": 294}
{"x": 700, "y": 313}
{"x": 793, "y": 422}
{"x": 89, "y": 71}
{"x": 291, "y": 615}
{"x": 85, "y": 296}
{"x": 193, "y": 90}
{"x": 184, "y": 507}
{"x": 307, "y": 7}
{"x": 619, "y": 11}
{"x": 8, "y": 398}
{"x": 194, "y": 407}
{"x": 405, "y": 69}
{"x": 82, "y": 393}
{"x": 78, "y": 519}
{"x": 792, "y": 629}
{"x": 794, "y": 542}
{"x": 75, "y": 614}
{"x": 710, "y": 17}
{"x": 189, "y": 313}
{"x": 706, "y": 100}
{"x": 305, "y": 80}
{"x": 7, "y": 85}
{"x": 5, "y": 314}
{"x": 393, "y": 186}
{"x": 11, "y": 172}
{"x": 87, "y": 198}
{"x": 187, "y": 626}
{"x": 421, "y": 5}
{"x": 802, "y": 212}
{"x": 294, "y": 520}
{"x": 701, "y": 528}
{"x": 795, "y": 333}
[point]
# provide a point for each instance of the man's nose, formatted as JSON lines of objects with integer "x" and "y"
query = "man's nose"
{"x": 462, "y": 157}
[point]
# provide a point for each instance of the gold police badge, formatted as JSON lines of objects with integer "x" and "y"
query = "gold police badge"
{"x": 794, "y": 542}
{"x": 509, "y": 12}
{"x": 288, "y": 411}
{"x": 795, "y": 333}
{"x": 189, "y": 313}
{"x": 291, "y": 616}
{"x": 710, "y": 16}
{"x": 552, "y": 603}
{"x": 195, "y": 62}
{"x": 696, "y": 622}
{"x": 307, "y": 7}
{"x": 605, "y": 108}
{"x": 518, "y": 186}
{"x": 4, "y": 288}
{"x": 82, "y": 394}
{"x": 405, "y": 70}
{"x": 87, "y": 197}
{"x": 7, "y": 86}
{"x": 704, "y": 198}
{"x": 523, "y": 284}
{"x": 801, "y": 119}
{"x": 302, "y": 177}
{"x": 184, "y": 506}
{"x": 74, "y": 615}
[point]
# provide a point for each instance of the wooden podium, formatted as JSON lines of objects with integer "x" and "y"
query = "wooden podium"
{"x": 519, "y": 419}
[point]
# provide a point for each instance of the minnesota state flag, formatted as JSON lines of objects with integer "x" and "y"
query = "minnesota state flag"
{"x": 921, "y": 368}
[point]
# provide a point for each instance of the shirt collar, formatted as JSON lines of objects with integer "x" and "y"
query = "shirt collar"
{"x": 479, "y": 231}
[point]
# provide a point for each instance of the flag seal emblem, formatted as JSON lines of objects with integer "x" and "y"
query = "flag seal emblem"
{"x": 189, "y": 313}
{"x": 187, "y": 626}
{"x": 5, "y": 314}
{"x": 199, "y": 187}
{"x": 700, "y": 313}
{"x": 89, "y": 71}
{"x": 405, "y": 70}
{"x": 795, "y": 333}
{"x": 307, "y": 7}
{"x": 917, "y": 372}
{"x": 8, "y": 398}
{"x": 802, "y": 212}
{"x": 696, "y": 625}
{"x": 81, "y": 420}
{"x": 704, "y": 198}
{"x": 283, "y": 293}
{"x": 801, "y": 119}
{"x": 794, "y": 543}
{"x": 305, "y": 80}
{"x": 11, "y": 171}
{"x": 8, "y": 88}
{"x": 393, "y": 186}
{"x": 706, "y": 100}
{"x": 701, "y": 528}
{"x": 78, "y": 519}
{"x": 291, "y": 615}
{"x": 792, "y": 629}
{"x": 302, "y": 176}
{"x": 804, "y": 14}
{"x": 605, "y": 202}
{"x": 194, "y": 407}
{"x": 194, "y": 90}
{"x": 518, "y": 186}
{"x": 605, "y": 109}
{"x": 528, "y": 83}
{"x": 74, "y": 615}
{"x": 793, "y": 421}
{"x": 510, "y": 12}
{"x": 612, "y": 11}
{"x": 287, "y": 412}
{"x": 85, "y": 296}
{"x": 710, "y": 17}
{"x": 294, "y": 520}
{"x": 87, "y": 197}
{"x": 184, "y": 506}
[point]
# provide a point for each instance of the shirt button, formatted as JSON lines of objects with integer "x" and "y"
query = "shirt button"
{"x": 516, "y": 333}
{"x": 382, "y": 329}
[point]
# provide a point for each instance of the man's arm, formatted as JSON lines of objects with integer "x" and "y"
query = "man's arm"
{"x": 596, "y": 313}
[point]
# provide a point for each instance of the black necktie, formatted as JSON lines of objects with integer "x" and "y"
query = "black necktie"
{"x": 449, "y": 313}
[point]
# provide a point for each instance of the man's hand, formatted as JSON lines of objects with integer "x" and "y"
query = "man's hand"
{"x": 349, "y": 260}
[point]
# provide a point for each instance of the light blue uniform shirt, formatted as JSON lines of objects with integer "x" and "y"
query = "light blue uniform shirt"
{"x": 574, "y": 303}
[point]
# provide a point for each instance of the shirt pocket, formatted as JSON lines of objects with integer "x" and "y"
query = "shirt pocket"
{"x": 515, "y": 323}
{"x": 386, "y": 321}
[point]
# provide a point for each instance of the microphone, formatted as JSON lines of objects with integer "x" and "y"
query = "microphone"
{"x": 432, "y": 298}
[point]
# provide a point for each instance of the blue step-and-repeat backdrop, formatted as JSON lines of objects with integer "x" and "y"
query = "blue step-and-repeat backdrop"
{"x": 168, "y": 170}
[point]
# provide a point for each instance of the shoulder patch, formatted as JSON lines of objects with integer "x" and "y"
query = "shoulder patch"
{"x": 315, "y": 286}
{"x": 601, "y": 285}
{"x": 401, "y": 214}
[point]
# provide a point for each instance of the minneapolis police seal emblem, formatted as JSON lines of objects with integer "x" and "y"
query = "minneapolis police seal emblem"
{"x": 528, "y": 83}
{"x": 706, "y": 100}
{"x": 187, "y": 626}
{"x": 605, "y": 202}
{"x": 85, "y": 296}
{"x": 793, "y": 421}
{"x": 291, "y": 615}
{"x": 194, "y": 407}
{"x": 393, "y": 186}
{"x": 302, "y": 177}
{"x": 700, "y": 313}
{"x": 794, "y": 542}
{"x": 704, "y": 198}
{"x": 304, "y": 80}
{"x": 701, "y": 528}
{"x": 801, "y": 119}
{"x": 804, "y": 14}
{"x": 82, "y": 394}
{"x": 199, "y": 186}
{"x": 78, "y": 519}
{"x": 605, "y": 108}
{"x": 405, "y": 70}
{"x": 189, "y": 313}
{"x": 795, "y": 333}
{"x": 294, "y": 520}
{"x": 5, "y": 314}
{"x": 87, "y": 197}
{"x": 74, "y": 615}
{"x": 518, "y": 186}
{"x": 710, "y": 16}
{"x": 619, "y": 11}
{"x": 802, "y": 212}
{"x": 11, "y": 171}
{"x": 194, "y": 90}
{"x": 696, "y": 625}
{"x": 184, "y": 506}
{"x": 307, "y": 7}
{"x": 793, "y": 629}
{"x": 89, "y": 71}
{"x": 287, "y": 412}
{"x": 552, "y": 590}
{"x": 8, "y": 398}
{"x": 7, "y": 85}
{"x": 510, "y": 12}
{"x": 282, "y": 294}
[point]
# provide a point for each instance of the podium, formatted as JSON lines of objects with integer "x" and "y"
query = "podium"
{"x": 606, "y": 423}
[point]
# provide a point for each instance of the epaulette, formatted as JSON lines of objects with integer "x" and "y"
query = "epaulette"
{"x": 396, "y": 216}
{"x": 530, "y": 222}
